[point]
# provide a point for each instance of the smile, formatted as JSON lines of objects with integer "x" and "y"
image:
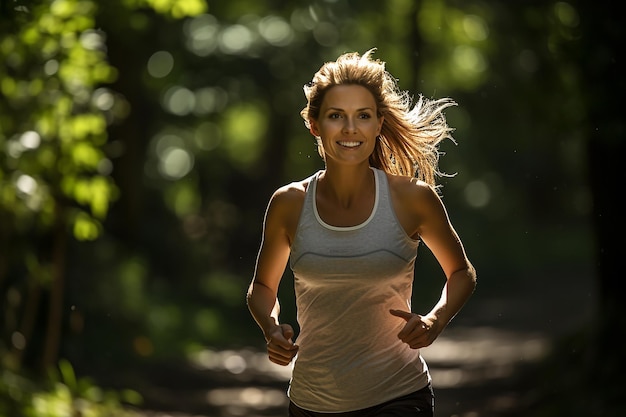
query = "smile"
{"x": 350, "y": 144}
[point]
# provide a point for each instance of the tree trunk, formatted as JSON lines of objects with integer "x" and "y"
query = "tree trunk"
{"x": 29, "y": 319}
{"x": 55, "y": 310}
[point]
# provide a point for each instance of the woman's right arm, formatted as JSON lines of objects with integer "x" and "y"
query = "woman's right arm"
{"x": 270, "y": 266}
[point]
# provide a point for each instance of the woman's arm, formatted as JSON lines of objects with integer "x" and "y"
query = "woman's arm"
{"x": 271, "y": 262}
{"x": 436, "y": 231}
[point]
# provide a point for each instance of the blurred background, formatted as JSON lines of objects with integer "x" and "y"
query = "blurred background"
{"x": 140, "y": 141}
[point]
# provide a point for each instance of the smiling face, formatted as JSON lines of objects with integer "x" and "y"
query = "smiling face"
{"x": 348, "y": 124}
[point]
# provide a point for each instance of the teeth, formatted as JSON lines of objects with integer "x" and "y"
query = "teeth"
{"x": 350, "y": 144}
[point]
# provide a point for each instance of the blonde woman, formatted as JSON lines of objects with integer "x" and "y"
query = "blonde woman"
{"x": 350, "y": 234}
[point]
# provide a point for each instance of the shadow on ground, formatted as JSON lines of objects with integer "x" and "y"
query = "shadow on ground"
{"x": 474, "y": 373}
{"x": 485, "y": 364}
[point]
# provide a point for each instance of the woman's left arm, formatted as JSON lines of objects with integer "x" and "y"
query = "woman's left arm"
{"x": 436, "y": 231}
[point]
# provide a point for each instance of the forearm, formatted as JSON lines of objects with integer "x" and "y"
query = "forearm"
{"x": 457, "y": 290}
{"x": 264, "y": 307}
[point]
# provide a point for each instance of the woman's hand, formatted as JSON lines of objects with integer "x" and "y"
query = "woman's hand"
{"x": 419, "y": 331}
{"x": 280, "y": 347}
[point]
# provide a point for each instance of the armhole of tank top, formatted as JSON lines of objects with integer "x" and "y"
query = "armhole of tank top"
{"x": 392, "y": 210}
{"x": 312, "y": 181}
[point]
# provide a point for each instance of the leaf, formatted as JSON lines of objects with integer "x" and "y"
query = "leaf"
{"x": 67, "y": 374}
{"x": 85, "y": 227}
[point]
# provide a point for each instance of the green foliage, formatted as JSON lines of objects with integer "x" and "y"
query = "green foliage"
{"x": 245, "y": 127}
{"x": 64, "y": 395}
{"x": 460, "y": 43}
{"x": 71, "y": 396}
{"x": 175, "y": 8}
{"x": 51, "y": 128}
{"x": 55, "y": 181}
{"x": 15, "y": 392}
{"x": 154, "y": 132}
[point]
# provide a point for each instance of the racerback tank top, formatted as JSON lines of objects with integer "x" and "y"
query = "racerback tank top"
{"x": 346, "y": 281}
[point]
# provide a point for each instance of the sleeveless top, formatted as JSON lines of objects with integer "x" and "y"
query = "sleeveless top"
{"x": 346, "y": 281}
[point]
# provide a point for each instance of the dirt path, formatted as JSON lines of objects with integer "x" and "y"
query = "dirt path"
{"x": 473, "y": 371}
{"x": 476, "y": 363}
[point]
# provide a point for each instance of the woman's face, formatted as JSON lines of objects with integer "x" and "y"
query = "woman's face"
{"x": 347, "y": 124}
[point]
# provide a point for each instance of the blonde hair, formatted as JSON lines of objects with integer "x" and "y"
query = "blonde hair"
{"x": 409, "y": 138}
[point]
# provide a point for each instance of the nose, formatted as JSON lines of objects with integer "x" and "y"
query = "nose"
{"x": 349, "y": 125}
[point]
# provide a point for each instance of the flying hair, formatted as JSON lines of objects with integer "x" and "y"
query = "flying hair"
{"x": 409, "y": 140}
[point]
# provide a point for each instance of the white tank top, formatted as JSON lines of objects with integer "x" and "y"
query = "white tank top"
{"x": 346, "y": 281}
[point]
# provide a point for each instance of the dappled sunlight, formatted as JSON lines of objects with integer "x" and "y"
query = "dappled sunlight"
{"x": 475, "y": 27}
{"x": 179, "y": 100}
{"x": 276, "y": 31}
{"x": 201, "y": 34}
{"x": 304, "y": 19}
{"x": 24, "y": 142}
{"x": 236, "y": 39}
{"x": 237, "y": 400}
{"x": 469, "y": 64}
{"x": 30, "y": 140}
{"x": 210, "y": 100}
{"x": 239, "y": 361}
{"x": 477, "y": 193}
{"x": 141, "y": 142}
{"x": 182, "y": 200}
{"x": 245, "y": 127}
{"x": 465, "y": 358}
{"x": 172, "y": 159}
{"x": 175, "y": 163}
{"x": 160, "y": 64}
{"x": 207, "y": 135}
{"x": 567, "y": 14}
{"x": 248, "y": 367}
{"x": 471, "y": 356}
{"x": 205, "y": 34}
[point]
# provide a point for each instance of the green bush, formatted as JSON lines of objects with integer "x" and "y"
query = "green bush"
{"x": 63, "y": 395}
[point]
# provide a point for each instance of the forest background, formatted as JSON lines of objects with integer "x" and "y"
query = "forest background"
{"x": 140, "y": 141}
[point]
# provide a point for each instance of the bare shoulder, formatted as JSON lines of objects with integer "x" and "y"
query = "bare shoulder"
{"x": 290, "y": 195}
{"x": 285, "y": 206}
{"x": 413, "y": 193}
{"x": 416, "y": 203}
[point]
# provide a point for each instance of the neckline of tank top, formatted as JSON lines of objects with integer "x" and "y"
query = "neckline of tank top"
{"x": 347, "y": 228}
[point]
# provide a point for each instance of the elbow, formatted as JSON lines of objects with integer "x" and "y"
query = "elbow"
{"x": 466, "y": 274}
{"x": 249, "y": 294}
{"x": 472, "y": 276}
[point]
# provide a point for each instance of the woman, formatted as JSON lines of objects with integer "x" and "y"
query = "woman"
{"x": 350, "y": 234}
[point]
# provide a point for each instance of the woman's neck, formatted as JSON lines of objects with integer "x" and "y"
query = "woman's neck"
{"x": 346, "y": 185}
